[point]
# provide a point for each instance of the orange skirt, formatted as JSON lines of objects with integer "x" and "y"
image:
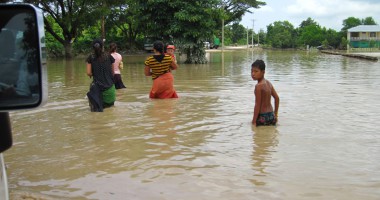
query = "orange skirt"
{"x": 163, "y": 87}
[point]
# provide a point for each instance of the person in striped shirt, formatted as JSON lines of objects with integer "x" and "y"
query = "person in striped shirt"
{"x": 159, "y": 67}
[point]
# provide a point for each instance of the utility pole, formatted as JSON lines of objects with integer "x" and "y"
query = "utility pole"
{"x": 258, "y": 38}
{"x": 223, "y": 7}
{"x": 247, "y": 39}
{"x": 253, "y": 29}
{"x": 223, "y": 34}
{"x": 253, "y": 32}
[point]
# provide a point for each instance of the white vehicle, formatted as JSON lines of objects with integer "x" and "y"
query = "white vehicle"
{"x": 207, "y": 45}
{"x": 23, "y": 76}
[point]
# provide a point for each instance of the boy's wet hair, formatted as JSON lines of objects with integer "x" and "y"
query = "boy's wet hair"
{"x": 259, "y": 64}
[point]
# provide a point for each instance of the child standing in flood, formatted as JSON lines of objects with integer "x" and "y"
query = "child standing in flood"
{"x": 263, "y": 113}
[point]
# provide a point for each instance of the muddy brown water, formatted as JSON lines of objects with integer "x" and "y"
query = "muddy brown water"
{"x": 202, "y": 145}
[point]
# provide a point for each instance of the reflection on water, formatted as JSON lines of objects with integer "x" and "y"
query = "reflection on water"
{"x": 264, "y": 143}
{"x": 202, "y": 145}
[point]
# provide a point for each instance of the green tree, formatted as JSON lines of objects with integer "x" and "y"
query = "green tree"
{"x": 343, "y": 43}
{"x": 73, "y": 23}
{"x": 261, "y": 37}
{"x": 332, "y": 36}
{"x": 228, "y": 35}
{"x": 311, "y": 35}
{"x": 368, "y": 21}
{"x": 238, "y": 32}
{"x": 307, "y": 22}
{"x": 350, "y": 22}
{"x": 250, "y": 35}
{"x": 372, "y": 43}
{"x": 235, "y": 9}
{"x": 281, "y": 34}
{"x": 124, "y": 22}
{"x": 353, "y": 21}
{"x": 81, "y": 44}
{"x": 325, "y": 44}
{"x": 72, "y": 17}
{"x": 54, "y": 48}
{"x": 189, "y": 23}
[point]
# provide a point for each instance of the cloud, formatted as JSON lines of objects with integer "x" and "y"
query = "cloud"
{"x": 328, "y": 8}
{"x": 330, "y": 13}
{"x": 309, "y": 7}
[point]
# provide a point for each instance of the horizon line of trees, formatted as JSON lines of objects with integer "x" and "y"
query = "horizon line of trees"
{"x": 280, "y": 34}
{"x": 283, "y": 34}
{"x": 72, "y": 25}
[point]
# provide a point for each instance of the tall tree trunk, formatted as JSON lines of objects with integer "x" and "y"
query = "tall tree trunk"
{"x": 68, "y": 50}
{"x": 103, "y": 29}
{"x": 196, "y": 54}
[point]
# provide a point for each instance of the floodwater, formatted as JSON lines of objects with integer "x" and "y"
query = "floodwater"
{"x": 202, "y": 145}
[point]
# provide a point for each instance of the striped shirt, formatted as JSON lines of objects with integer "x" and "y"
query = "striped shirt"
{"x": 158, "y": 67}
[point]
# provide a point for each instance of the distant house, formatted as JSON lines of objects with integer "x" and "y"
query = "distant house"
{"x": 364, "y": 36}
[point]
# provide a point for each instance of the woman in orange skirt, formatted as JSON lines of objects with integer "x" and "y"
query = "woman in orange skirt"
{"x": 159, "y": 66}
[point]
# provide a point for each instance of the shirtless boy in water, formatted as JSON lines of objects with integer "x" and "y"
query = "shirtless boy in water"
{"x": 263, "y": 112}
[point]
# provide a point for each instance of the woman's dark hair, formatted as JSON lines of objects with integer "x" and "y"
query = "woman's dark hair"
{"x": 159, "y": 46}
{"x": 259, "y": 64}
{"x": 113, "y": 47}
{"x": 97, "y": 45}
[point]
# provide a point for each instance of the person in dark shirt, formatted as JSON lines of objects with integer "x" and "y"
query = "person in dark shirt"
{"x": 100, "y": 68}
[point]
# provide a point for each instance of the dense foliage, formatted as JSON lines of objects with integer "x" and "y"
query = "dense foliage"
{"x": 189, "y": 23}
{"x": 281, "y": 34}
{"x": 71, "y": 25}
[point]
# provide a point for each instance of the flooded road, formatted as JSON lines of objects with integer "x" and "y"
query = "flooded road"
{"x": 202, "y": 145}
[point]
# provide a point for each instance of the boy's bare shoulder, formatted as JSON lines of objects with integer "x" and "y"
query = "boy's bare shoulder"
{"x": 259, "y": 85}
{"x": 263, "y": 83}
{"x": 269, "y": 83}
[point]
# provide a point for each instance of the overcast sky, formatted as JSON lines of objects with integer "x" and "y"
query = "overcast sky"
{"x": 327, "y": 13}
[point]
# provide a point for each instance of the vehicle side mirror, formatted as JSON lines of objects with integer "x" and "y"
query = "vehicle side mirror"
{"x": 23, "y": 75}
{"x": 23, "y": 79}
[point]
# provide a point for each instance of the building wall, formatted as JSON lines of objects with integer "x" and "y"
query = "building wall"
{"x": 365, "y": 40}
{"x": 364, "y": 44}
